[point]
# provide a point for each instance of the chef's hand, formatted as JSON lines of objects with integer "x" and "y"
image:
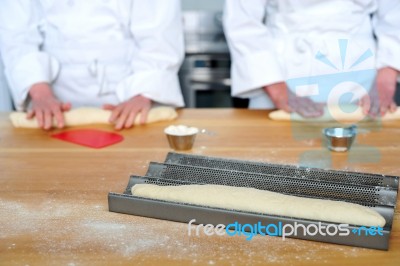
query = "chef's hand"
{"x": 380, "y": 100}
{"x": 45, "y": 106}
{"x": 124, "y": 114}
{"x": 285, "y": 100}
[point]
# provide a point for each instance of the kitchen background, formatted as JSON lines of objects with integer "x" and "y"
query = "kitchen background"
{"x": 204, "y": 75}
{"x": 205, "y": 5}
{"x": 205, "y": 72}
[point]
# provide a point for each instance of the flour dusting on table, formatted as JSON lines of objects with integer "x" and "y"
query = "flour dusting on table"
{"x": 69, "y": 228}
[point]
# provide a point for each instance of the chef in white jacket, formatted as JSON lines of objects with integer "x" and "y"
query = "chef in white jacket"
{"x": 121, "y": 55}
{"x": 273, "y": 42}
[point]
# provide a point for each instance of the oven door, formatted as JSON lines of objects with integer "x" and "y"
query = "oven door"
{"x": 205, "y": 81}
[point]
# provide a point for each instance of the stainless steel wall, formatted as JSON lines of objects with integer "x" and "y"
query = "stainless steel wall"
{"x": 5, "y": 97}
{"x": 207, "y": 5}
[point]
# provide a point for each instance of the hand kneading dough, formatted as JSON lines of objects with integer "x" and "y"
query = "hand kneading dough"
{"x": 89, "y": 115}
{"x": 335, "y": 114}
{"x": 262, "y": 201}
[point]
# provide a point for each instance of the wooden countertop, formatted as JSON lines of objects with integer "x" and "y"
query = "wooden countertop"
{"x": 53, "y": 194}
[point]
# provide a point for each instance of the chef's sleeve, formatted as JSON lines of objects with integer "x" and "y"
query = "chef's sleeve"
{"x": 156, "y": 27}
{"x": 386, "y": 23}
{"x": 254, "y": 61}
{"x": 20, "y": 40}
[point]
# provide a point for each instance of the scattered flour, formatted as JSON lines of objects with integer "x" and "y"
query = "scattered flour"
{"x": 67, "y": 229}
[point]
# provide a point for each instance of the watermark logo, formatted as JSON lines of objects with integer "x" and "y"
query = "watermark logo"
{"x": 368, "y": 231}
{"x": 341, "y": 88}
{"x": 280, "y": 229}
{"x": 350, "y": 76}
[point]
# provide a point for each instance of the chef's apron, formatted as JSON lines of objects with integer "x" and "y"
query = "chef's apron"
{"x": 311, "y": 51}
{"x": 90, "y": 73}
{"x": 89, "y": 68}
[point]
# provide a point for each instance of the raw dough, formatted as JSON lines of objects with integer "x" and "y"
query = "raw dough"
{"x": 89, "y": 115}
{"x": 262, "y": 201}
{"x": 334, "y": 113}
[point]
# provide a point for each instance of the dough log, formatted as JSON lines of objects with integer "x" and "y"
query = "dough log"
{"x": 261, "y": 201}
{"x": 87, "y": 116}
{"x": 334, "y": 114}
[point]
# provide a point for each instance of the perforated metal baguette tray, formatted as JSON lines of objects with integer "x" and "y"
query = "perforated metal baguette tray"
{"x": 378, "y": 192}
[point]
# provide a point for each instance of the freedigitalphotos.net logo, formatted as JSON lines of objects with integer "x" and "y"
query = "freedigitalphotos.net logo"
{"x": 279, "y": 229}
{"x": 341, "y": 88}
{"x": 349, "y": 75}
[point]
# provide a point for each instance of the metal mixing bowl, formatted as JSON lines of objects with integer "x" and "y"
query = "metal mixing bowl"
{"x": 181, "y": 143}
{"x": 340, "y": 139}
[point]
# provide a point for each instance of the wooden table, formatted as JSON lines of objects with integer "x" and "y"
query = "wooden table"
{"x": 53, "y": 194}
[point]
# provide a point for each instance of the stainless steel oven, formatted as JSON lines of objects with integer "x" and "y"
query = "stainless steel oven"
{"x": 205, "y": 72}
{"x": 205, "y": 80}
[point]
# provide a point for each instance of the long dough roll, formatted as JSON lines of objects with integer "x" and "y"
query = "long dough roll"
{"x": 261, "y": 201}
{"x": 89, "y": 115}
{"x": 335, "y": 114}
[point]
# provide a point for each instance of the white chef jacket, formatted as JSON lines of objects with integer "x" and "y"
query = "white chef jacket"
{"x": 93, "y": 52}
{"x": 272, "y": 41}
